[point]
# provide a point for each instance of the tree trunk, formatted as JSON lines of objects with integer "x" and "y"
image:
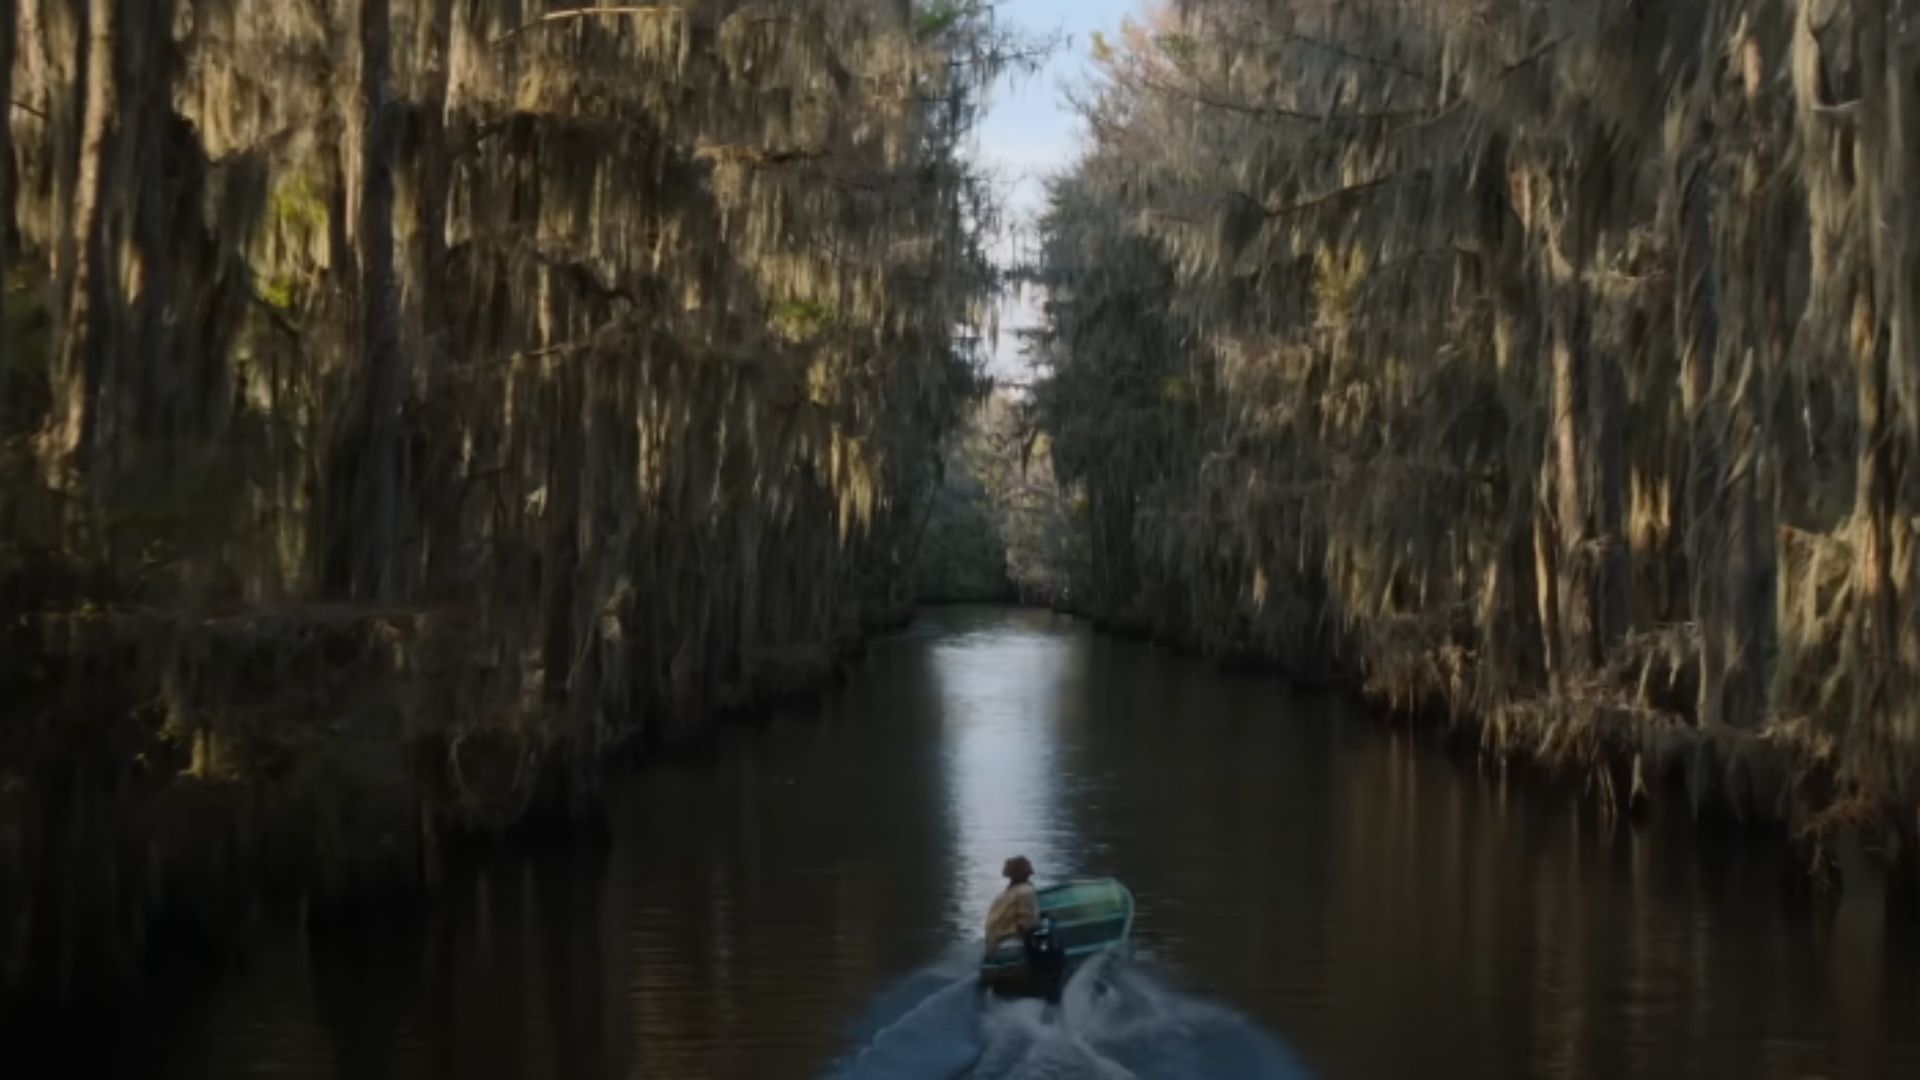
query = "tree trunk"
{"x": 1546, "y": 589}
{"x": 8, "y": 30}
{"x": 1878, "y": 687}
{"x": 440, "y": 485}
{"x": 1750, "y": 618}
{"x": 1873, "y": 507}
{"x": 1697, "y": 327}
{"x": 381, "y": 360}
{"x": 560, "y": 562}
{"x": 1605, "y": 411}
{"x": 1577, "y": 568}
{"x": 82, "y": 346}
{"x": 1900, "y": 268}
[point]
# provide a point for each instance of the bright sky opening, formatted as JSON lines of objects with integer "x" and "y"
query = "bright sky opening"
{"x": 1032, "y": 132}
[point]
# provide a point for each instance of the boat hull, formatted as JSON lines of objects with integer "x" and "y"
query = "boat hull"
{"x": 1087, "y": 917}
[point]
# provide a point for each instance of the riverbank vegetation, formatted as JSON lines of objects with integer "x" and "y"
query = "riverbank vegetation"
{"x": 1549, "y": 366}
{"x": 405, "y": 405}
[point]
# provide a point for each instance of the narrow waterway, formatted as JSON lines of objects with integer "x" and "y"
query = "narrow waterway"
{"x": 1314, "y": 893}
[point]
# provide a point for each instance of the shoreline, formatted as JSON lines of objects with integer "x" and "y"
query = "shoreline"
{"x": 223, "y": 859}
{"x": 1780, "y": 783}
{"x": 360, "y": 801}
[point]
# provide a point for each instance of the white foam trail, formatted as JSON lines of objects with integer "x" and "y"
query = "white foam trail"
{"x": 910, "y": 1025}
{"x": 1114, "y": 1022}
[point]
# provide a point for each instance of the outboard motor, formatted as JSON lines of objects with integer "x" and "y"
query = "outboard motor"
{"x": 1047, "y": 958}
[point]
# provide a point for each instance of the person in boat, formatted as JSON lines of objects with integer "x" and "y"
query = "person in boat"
{"x": 1016, "y": 911}
{"x": 1016, "y": 916}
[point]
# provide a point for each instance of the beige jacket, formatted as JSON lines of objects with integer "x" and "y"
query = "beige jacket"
{"x": 1014, "y": 912}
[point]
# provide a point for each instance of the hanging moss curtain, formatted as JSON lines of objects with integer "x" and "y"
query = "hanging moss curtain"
{"x": 478, "y": 384}
{"x": 1551, "y": 365}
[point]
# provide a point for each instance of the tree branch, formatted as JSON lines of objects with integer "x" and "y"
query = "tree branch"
{"x": 1286, "y": 210}
{"x": 1212, "y": 99}
{"x": 1346, "y": 53}
{"x": 1317, "y": 201}
{"x": 1538, "y": 54}
{"x": 552, "y": 18}
{"x": 756, "y": 156}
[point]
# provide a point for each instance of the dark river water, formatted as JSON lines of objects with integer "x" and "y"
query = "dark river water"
{"x": 1316, "y": 896}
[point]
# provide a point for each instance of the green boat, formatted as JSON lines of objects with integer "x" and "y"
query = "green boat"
{"x": 1078, "y": 919}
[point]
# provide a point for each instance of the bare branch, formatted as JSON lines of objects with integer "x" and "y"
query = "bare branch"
{"x": 1539, "y": 53}
{"x": 1286, "y": 209}
{"x": 755, "y": 156}
{"x": 1348, "y": 54}
{"x": 1317, "y": 201}
{"x": 553, "y": 18}
{"x": 1213, "y": 99}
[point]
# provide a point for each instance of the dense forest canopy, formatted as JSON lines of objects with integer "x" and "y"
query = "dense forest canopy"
{"x": 406, "y": 405}
{"x": 1550, "y": 363}
{"x": 405, "y": 402}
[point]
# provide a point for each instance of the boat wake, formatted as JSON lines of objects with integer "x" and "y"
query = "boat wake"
{"x": 1115, "y": 1020}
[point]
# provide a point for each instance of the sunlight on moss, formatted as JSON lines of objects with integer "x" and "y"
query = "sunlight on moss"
{"x": 1336, "y": 279}
{"x": 1401, "y": 340}
{"x": 297, "y": 203}
{"x": 616, "y": 343}
{"x": 278, "y": 291}
{"x": 937, "y": 18}
{"x": 802, "y": 320}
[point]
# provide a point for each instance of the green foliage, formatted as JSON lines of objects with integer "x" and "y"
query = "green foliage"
{"x": 962, "y": 557}
{"x": 938, "y": 17}
{"x": 297, "y": 203}
{"x": 800, "y": 321}
{"x": 28, "y": 326}
{"x": 278, "y": 291}
{"x": 1182, "y": 49}
{"x": 1336, "y": 281}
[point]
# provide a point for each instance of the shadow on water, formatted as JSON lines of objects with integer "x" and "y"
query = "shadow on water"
{"x": 1116, "y": 1019}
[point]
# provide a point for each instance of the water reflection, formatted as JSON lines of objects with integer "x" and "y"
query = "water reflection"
{"x": 1308, "y": 887}
{"x": 1004, "y": 694}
